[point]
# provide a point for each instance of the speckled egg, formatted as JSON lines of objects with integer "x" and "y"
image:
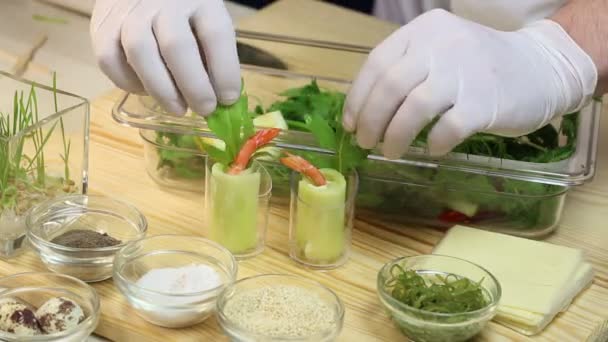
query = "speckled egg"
{"x": 16, "y": 317}
{"x": 59, "y": 314}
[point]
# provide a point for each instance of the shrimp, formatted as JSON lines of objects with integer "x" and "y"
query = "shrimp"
{"x": 261, "y": 138}
{"x": 301, "y": 165}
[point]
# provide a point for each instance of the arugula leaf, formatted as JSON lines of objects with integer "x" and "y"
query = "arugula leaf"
{"x": 309, "y": 89}
{"x": 320, "y": 128}
{"x": 540, "y": 146}
{"x": 318, "y": 111}
{"x": 259, "y": 110}
{"x": 308, "y": 100}
{"x": 350, "y": 155}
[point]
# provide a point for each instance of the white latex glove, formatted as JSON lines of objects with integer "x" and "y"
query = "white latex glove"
{"x": 156, "y": 47}
{"x": 478, "y": 79}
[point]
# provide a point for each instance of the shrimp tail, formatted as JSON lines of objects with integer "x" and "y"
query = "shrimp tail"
{"x": 301, "y": 165}
{"x": 259, "y": 139}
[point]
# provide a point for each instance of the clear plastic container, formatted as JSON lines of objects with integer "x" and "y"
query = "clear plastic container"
{"x": 515, "y": 197}
{"x": 44, "y": 136}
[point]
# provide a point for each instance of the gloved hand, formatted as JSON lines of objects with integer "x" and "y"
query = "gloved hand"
{"x": 478, "y": 79}
{"x": 161, "y": 48}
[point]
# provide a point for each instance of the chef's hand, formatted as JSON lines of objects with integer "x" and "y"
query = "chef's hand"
{"x": 182, "y": 54}
{"x": 476, "y": 78}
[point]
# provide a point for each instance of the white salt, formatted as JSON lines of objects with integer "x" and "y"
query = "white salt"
{"x": 181, "y": 280}
{"x": 177, "y": 281}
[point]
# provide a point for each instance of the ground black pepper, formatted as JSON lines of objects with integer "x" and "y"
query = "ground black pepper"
{"x": 83, "y": 238}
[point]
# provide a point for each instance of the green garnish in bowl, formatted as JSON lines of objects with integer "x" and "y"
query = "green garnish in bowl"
{"x": 445, "y": 293}
{"x": 438, "y": 298}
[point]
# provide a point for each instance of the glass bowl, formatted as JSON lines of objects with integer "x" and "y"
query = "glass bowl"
{"x": 239, "y": 332}
{"x": 35, "y": 288}
{"x": 101, "y": 214}
{"x": 426, "y": 326}
{"x": 172, "y": 310}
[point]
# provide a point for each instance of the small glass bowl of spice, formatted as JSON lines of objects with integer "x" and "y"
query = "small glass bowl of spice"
{"x": 173, "y": 280}
{"x": 275, "y": 307}
{"x": 79, "y": 235}
{"x": 40, "y": 306}
{"x": 434, "y": 298}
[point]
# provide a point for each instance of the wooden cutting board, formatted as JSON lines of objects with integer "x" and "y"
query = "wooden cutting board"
{"x": 117, "y": 169}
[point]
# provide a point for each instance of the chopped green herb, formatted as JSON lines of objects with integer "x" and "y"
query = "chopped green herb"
{"x": 443, "y": 294}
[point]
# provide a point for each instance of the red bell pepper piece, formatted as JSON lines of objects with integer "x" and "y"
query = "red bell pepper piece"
{"x": 452, "y": 216}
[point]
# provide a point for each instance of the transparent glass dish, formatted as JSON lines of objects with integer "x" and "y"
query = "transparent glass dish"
{"x": 50, "y": 219}
{"x": 510, "y": 196}
{"x": 166, "y": 309}
{"x": 43, "y": 152}
{"x": 36, "y": 288}
{"x": 239, "y": 333}
{"x": 426, "y": 326}
{"x": 321, "y": 221}
{"x": 237, "y": 208}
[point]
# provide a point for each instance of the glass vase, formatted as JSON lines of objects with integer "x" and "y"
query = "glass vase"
{"x": 43, "y": 152}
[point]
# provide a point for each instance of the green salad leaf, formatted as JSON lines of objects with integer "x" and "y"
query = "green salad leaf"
{"x": 318, "y": 111}
{"x": 233, "y": 125}
{"x": 311, "y": 108}
{"x": 540, "y": 146}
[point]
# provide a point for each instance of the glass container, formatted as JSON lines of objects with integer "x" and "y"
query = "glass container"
{"x": 240, "y": 333}
{"x": 35, "y": 288}
{"x": 237, "y": 207}
{"x": 501, "y": 194}
{"x": 427, "y": 326}
{"x": 171, "y": 310}
{"x": 104, "y": 215}
{"x": 321, "y": 220}
{"x": 43, "y": 152}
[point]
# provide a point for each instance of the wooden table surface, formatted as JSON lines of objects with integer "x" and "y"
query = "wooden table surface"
{"x": 117, "y": 169}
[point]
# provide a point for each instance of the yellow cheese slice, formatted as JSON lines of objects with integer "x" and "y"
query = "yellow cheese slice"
{"x": 530, "y": 323}
{"x": 533, "y": 275}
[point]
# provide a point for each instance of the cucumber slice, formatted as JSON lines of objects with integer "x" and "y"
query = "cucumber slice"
{"x": 271, "y": 120}
{"x": 463, "y": 206}
{"x": 234, "y": 207}
{"x": 217, "y": 143}
{"x": 320, "y": 218}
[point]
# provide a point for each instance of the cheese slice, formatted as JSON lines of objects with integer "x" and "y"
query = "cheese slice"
{"x": 538, "y": 279}
{"x": 531, "y": 323}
